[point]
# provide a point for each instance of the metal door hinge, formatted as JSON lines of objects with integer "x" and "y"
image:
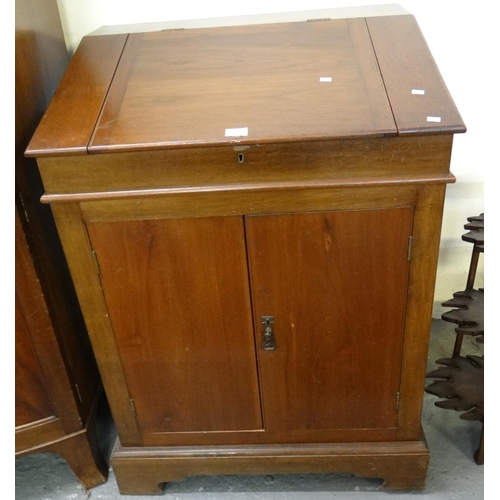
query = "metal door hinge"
{"x": 397, "y": 401}
{"x": 268, "y": 343}
{"x": 132, "y": 405}
{"x": 96, "y": 262}
{"x": 410, "y": 246}
{"x": 318, "y": 19}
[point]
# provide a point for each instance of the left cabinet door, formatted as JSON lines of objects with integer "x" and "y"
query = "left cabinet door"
{"x": 178, "y": 297}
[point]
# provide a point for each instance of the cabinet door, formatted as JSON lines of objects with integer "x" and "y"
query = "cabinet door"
{"x": 335, "y": 284}
{"x": 32, "y": 400}
{"x": 179, "y": 302}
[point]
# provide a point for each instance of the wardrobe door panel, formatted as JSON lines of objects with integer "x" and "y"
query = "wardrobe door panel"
{"x": 32, "y": 400}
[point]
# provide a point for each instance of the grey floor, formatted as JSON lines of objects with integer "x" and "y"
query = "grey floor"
{"x": 453, "y": 474}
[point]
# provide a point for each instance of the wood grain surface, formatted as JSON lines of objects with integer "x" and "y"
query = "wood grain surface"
{"x": 419, "y": 98}
{"x": 178, "y": 298}
{"x": 282, "y": 82}
{"x": 343, "y": 162}
{"x": 141, "y": 471}
{"x": 427, "y": 219}
{"x": 180, "y": 88}
{"x": 67, "y": 125}
{"x": 323, "y": 211}
{"x": 336, "y": 286}
{"x": 32, "y": 400}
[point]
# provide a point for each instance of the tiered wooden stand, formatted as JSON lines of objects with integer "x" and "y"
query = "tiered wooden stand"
{"x": 462, "y": 383}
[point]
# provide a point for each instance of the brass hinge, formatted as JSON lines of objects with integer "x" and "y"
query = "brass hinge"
{"x": 96, "y": 262}
{"x": 410, "y": 246}
{"x": 132, "y": 405}
{"x": 397, "y": 401}
{"x": 318, "y": 19}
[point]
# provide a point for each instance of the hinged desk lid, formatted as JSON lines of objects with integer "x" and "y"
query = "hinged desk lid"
{"x": 270, "y": 83}
{"x": 248, "y": 84}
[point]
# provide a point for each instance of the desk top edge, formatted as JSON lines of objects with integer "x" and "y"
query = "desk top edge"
{"x": 41, "y": 146}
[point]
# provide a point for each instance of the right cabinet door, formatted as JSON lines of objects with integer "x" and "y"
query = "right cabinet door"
{"x": 335, "y": 285}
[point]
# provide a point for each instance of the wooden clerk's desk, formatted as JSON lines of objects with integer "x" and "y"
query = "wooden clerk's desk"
{"x": 251, "y": 216}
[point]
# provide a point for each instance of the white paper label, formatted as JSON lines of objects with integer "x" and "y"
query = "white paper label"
{"x": 418, "y": 92}
{"x": 436, "y": 119}
{"x": 236, "y": 132}
{"x": 325, "y": 79}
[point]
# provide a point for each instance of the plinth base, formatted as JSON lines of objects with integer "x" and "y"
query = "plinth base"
{"x": 143, "y": 470}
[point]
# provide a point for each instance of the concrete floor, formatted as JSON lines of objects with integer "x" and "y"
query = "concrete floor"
{"x": 452, "y": 475}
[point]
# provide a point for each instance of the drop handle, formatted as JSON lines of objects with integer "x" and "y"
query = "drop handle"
{"x": 268, "y": 343}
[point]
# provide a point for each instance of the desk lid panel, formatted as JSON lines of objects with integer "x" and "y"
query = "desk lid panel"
{"x": 272, "y": 83}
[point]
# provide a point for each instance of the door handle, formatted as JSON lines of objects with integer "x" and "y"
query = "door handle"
{"x": 268, "y": 343}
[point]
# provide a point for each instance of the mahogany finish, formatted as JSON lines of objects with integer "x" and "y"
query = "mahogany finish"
{"x": 141, "y": 471}
{"x": 50, "y": 414}
{"x": 258, "y": 300}
{"x": 94, "y": 62}
{"x": 177, "y": 291}
{"x": 57, "y": 385}
{"x": 32, "y": 400}
{"x": 200, "y": 82}
{"x": 419, "y": 99}
{"x": 315, "y": 272}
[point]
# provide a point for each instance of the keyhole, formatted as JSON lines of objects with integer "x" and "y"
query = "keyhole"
{"x": 241, "y": 158}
